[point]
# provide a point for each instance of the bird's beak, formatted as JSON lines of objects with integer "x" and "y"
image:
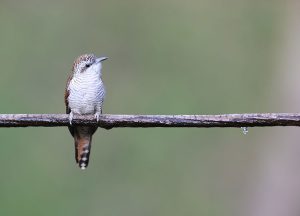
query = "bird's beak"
{"x": 101, "y": 59}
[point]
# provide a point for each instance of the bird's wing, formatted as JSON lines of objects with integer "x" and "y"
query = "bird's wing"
{"x": 68, "y": 109}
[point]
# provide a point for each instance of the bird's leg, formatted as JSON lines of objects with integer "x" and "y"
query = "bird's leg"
{"x": 98, "y": 113}
{"x": 71, "y": 117}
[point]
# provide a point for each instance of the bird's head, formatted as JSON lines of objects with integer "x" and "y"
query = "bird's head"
{"x": 87, "y": 63}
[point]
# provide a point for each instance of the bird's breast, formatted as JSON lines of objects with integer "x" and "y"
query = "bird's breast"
{"x": 85, "y": 94}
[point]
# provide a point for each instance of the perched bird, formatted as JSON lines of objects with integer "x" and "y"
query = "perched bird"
{"x": 84, "y": 95}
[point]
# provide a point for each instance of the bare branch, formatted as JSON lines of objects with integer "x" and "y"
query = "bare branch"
{"x": 111, "y": 121}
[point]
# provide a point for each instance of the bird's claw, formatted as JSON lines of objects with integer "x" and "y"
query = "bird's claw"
{"x": 97, "y": 116}
{"x": 70, "y": 118}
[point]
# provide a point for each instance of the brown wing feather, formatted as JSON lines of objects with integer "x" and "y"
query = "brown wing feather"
{"x": 67, "y": 93}
{"x": 68, "y": 110}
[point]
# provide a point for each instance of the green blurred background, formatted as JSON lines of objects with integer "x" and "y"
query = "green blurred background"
{"x": 165, "y": 57}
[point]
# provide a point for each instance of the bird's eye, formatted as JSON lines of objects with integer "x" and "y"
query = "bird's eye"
{"x": 87, "y": 65}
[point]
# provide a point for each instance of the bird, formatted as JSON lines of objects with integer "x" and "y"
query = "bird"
{"x": 84, "y": 95}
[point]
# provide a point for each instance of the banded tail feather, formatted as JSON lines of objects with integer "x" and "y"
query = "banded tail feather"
{"x": 82, "y": 151}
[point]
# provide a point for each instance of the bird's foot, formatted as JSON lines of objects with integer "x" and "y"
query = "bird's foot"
{"x": 97, "y": 116}
{"x": 70, "y": 118}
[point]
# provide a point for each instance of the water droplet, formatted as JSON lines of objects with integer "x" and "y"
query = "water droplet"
{"x": 245, "y": 130}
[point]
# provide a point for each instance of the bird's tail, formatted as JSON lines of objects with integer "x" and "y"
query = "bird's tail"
{"x": 82, "y": 150}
